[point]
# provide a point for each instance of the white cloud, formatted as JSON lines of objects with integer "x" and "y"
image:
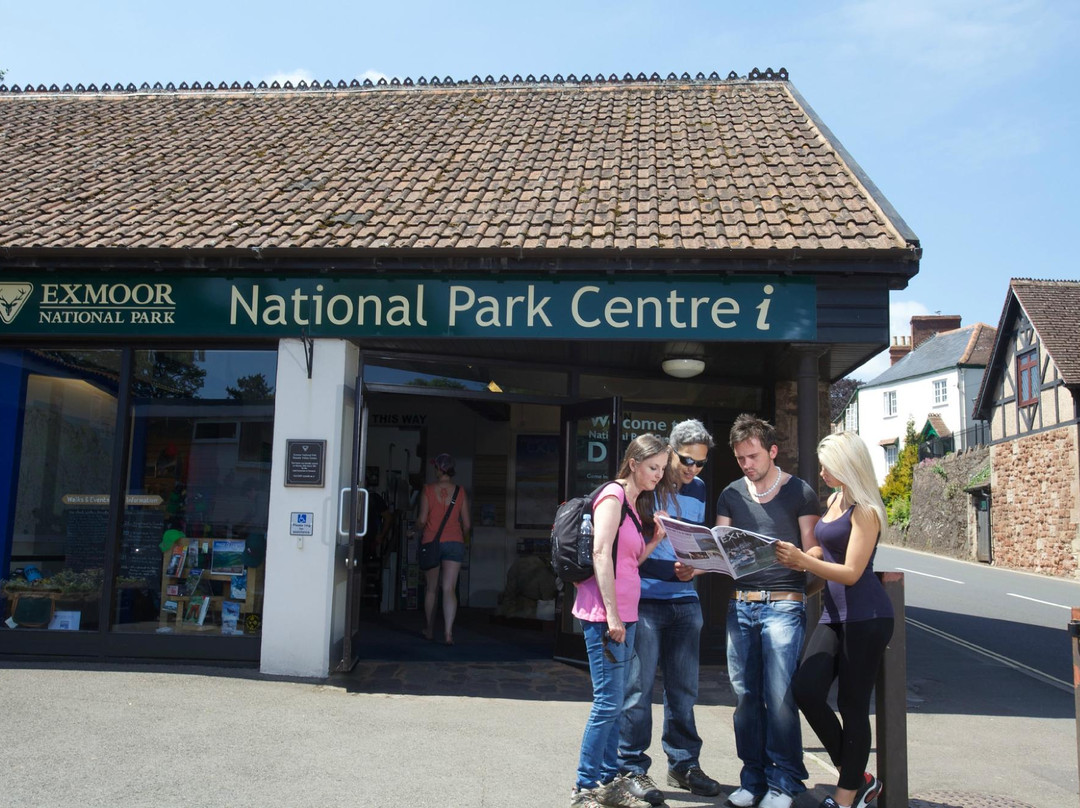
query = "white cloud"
{"x": 296, "y": 76}
{"x": 374, "y": 75}
{"x": 900, "y": 314}
{"x": 958, "y": 37}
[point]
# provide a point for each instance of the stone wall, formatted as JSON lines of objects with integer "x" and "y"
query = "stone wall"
{"x": 942, "y": 516}
{"x": 786, "y": 422}
{"x": 1035, "y": 503}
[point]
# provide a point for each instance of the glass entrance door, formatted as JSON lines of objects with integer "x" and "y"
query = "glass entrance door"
{"x": 589, "y": 448}
{"x": 357, "y": 505}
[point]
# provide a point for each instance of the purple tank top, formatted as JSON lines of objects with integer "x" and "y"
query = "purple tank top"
{"x": 863, "y": 600}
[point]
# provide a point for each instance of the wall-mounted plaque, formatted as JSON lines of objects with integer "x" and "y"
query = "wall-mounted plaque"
{"x": 305, "y": 462}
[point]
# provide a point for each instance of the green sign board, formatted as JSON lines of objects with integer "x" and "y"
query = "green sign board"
{"x": 609, "y": 307}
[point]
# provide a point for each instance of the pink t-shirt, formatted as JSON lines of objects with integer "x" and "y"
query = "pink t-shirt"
{"x": 588, "y": 605}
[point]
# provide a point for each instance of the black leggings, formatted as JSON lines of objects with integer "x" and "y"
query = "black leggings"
{"x": 852, "y": 652}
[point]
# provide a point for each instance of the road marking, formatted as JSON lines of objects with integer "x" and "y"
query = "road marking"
{"x": 822, "y": 762}
{"x": 928, "y": 575}
{"x": 1061, "y": 684}
{"x": 1036, "y": 600}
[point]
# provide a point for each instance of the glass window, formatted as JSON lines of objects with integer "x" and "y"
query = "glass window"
{"x": 890, "y": 403}
{"x": 891, "y": 454}
{"x": 194, "y": 537}
{"x": 1027, "y": 378}
{"x": 475, "y": 377}
{"x": 941, "y": 391}
{"x": 688, "y": 393}
{"x": 57, "y": 424}
{"x": 851, "y": 417}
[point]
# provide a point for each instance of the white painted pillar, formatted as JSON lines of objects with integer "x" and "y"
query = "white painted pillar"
{"x": 298, "y": 598}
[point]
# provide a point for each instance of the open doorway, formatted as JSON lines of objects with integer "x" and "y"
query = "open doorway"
{"x": 506, "y": 458}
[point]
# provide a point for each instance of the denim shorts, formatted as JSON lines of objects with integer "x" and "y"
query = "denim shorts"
{"x": 452, "y": 551}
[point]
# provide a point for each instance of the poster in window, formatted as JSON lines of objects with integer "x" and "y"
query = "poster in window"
{"x": 537, "y": 481}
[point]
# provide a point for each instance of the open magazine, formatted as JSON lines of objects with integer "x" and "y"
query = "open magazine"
{"x": 729, "y": 550}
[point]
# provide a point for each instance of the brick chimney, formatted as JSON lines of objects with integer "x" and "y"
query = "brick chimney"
{"x": 925, "y": 326}
{"x": 901, "y": 347}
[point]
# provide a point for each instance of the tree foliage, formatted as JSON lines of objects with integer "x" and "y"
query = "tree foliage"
{"x": 896, "y": 491}
{"x": 251, "y": 388}
{"x": 839, "y": 394}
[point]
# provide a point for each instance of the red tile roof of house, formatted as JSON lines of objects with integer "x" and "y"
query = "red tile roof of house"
{"x": 654, "y": 165}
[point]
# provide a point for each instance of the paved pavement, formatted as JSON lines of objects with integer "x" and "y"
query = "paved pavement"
{"x": 451, "y": 726}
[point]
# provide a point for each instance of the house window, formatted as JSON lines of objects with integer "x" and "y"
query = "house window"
{"x": 891, "y": 452}
{"x": 941, "y": 392}
{"x": 890, "y": 403}
{"x": 1027, "y": 378}
{"x": 851, "y": 418}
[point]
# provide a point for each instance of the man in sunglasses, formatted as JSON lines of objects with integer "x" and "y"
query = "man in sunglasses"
{"x": 668, "y": 628}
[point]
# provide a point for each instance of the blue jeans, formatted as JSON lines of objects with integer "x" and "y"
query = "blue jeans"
{"x": 667, "y": 637}
{"x": 599, "y": 761}
{"x": 763, "y": 644}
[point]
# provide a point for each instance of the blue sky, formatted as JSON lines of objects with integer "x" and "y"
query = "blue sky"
{"x": 963, "y": 112}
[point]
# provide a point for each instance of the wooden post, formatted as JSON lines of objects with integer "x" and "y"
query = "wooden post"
{"x": 1074, "y": 638}
{"x": 891, "y": 703}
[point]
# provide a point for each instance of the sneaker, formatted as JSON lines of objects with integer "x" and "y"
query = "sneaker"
{"x": 776, "y": 799}
{"x": 618, "y": 794}
{"x": 584, "y": 798}
{"x": 867, "y": 792}
{"x": 694, "y": 780}
{"x": 641, "y": 785}
{"x": 742, "y": 798}
{"x": 828, "y": 802}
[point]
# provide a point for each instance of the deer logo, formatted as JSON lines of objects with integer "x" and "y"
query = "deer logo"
{"x": 12, "y": 298}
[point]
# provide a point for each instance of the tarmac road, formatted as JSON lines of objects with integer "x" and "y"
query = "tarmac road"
{"x": 444, "y": 733}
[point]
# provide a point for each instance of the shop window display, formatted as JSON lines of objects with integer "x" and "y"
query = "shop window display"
{"x": 57, "y": 429}
{"x": 202, "y": 431}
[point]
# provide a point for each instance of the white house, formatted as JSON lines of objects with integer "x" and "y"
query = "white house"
{"x": 934, "y": 384}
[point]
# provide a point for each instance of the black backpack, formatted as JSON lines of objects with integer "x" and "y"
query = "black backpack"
{"x": 572, "y": 538}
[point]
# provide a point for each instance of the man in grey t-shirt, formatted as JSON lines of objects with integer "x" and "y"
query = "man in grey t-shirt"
{"x": 766, "y": 620}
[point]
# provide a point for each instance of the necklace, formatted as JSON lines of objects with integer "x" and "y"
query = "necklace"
{"x": 768, "y": 490}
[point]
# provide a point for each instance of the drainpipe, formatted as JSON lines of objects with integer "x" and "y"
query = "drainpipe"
{"x": 807, "y": 417}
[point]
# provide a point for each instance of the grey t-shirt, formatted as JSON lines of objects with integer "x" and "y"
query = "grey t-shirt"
{"x": 778, "y": 518}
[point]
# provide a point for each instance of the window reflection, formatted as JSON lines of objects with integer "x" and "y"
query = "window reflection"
{"x": 194, "y": 533}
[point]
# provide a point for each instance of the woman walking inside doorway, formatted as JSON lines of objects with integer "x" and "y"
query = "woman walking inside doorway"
{"x": 444, "y": 520}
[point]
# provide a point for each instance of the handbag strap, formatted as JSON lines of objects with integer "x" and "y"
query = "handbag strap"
{"x": 446, "y": 516}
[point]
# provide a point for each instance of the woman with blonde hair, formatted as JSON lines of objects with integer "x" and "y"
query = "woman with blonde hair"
{"x": 857, "y": 621}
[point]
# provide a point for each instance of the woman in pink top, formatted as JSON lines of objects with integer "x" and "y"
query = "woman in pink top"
{"x": 606, "y": 605}
{"x": 438, "y": 497}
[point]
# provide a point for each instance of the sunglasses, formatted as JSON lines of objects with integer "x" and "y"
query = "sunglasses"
{"x": 689, "y": 461}
{"x": 607, "y": 651}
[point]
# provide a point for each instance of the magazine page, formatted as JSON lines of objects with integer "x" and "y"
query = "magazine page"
{"x": 729, "y": 550}
{"x": 746, "y": 552}
{"x": 695, "y": 545}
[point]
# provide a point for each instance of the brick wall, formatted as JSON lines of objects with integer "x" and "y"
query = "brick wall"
{"x": 1035, "y": 505}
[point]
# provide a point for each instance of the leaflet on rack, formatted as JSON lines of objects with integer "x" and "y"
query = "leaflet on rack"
{"x": 729, "y": 550}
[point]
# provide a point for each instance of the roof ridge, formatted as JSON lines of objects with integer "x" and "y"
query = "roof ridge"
{"x": 973, "y": 341}
{"x": 768, "y": 74}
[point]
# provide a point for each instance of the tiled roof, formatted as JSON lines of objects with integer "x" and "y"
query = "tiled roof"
{"x": 935, "y": 421}
{"x": 1054, "y": 309}
{"x": 944, "y": 351}
{"x": 701, "y": 164}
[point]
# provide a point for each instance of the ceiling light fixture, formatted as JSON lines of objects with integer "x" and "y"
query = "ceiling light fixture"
{"x": 684, "y": 360}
